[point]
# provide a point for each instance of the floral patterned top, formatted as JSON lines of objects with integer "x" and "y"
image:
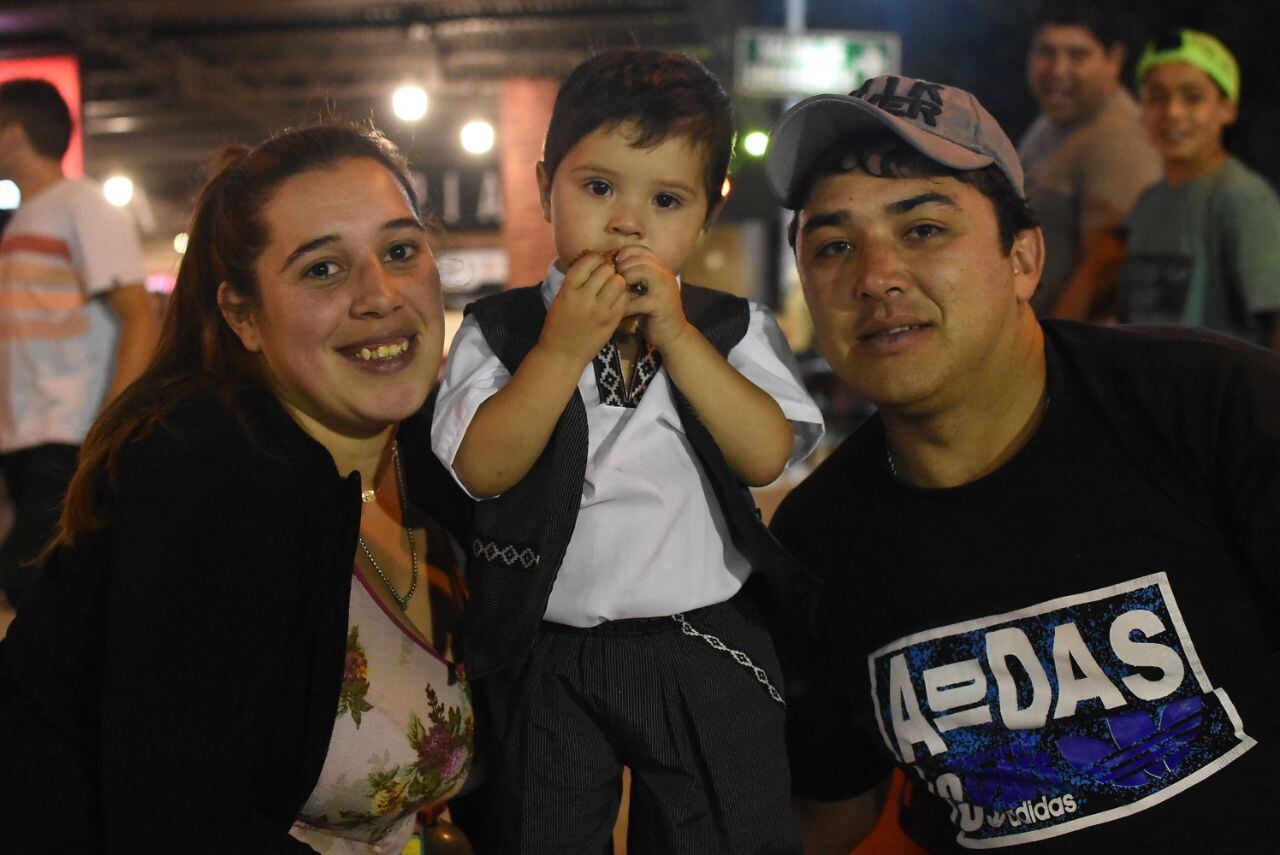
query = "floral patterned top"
{"x": 404, "y": 732}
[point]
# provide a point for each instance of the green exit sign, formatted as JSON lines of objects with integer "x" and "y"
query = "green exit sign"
{"x": 780, "y": 64}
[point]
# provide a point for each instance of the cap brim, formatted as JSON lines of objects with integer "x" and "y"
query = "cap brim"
{"x": 815, "y": 124}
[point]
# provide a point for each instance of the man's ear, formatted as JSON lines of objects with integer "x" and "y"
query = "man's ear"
{"x": 1027, "y": 259}
{"x": 544, "y": 189}
{"x": 13, "y": 135}
{"x": 240, "y": 316}
{"x": 1115, "y": 57}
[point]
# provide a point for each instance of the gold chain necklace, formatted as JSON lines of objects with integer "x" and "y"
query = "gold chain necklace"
{"x": 403, "y": 602}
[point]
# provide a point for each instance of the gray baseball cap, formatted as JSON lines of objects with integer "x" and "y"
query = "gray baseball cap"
{"x": 945, "y": 124}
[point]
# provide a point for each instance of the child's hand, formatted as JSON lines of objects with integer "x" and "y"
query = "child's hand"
{"x": 660, "y": 309}
{"x": 586, "y": 311}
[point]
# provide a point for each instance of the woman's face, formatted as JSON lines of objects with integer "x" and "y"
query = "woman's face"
{"x": 348, "y": 322}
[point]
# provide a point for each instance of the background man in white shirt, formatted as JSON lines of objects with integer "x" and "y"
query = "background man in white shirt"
{"x": 76, "y": 324}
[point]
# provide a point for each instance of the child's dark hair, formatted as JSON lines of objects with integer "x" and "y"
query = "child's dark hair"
{"x": 883, "y": 154}
{"x": 38, "y": 106}
{"x": 663, "y": 94}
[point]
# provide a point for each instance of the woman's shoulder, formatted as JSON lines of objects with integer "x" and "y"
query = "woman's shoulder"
{"x": 211, "y": 438}
{"x": 202, "y": 420}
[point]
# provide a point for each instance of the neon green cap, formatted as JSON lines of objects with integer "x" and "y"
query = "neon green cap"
{"x": 1199, "y": 50}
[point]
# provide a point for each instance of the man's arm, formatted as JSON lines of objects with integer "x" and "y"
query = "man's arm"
{"x": 1094, "y": 279}
{"x": 835, "y": 828}
{"x": 1246, "y": 218}
{"x": 111, "y": 267}
{"x": 139, "y": 331}
{"x": 1118, "y": 165}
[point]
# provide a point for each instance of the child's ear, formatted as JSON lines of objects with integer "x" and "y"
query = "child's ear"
{"x": 1230, "y": 111}
{"x": 544, "y": 189}
{"x": 239, "y": 315}
{"x": 712, "y": 213}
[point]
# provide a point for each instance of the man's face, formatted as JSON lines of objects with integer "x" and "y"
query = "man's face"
{"x": 915, "y": 304}
{"x": 1071, "y": 73}
{"x": 1185, "y": 113}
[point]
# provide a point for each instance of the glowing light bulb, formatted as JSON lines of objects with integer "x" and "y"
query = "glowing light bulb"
{"x": 409, "y": 103}
{"x": 755, "y": 143}
{"x": 10, "y": 196}
{"x": 477, "y": 136}
{"x": 118, "y": 189}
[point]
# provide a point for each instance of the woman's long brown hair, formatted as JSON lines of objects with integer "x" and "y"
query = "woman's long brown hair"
{"x": 198, "y": 353}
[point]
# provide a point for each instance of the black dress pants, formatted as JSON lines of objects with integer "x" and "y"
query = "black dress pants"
{"x": 699, "y": 729}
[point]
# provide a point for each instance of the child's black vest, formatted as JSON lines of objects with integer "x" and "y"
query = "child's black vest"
{"x": 520, "y": 537}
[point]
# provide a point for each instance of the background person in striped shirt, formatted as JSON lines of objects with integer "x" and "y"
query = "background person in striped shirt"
{"x": 76, "y": 324}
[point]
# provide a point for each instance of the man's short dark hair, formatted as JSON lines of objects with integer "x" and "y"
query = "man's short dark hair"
{"x": 1104, "y": 21}
{"x": 883, "y": 154}
{"x": 663, "y": 94}
{"x": 37, "y": 105}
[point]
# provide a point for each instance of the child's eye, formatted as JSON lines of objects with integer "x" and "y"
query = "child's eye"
{"x": 401, "y": 252}
{"x": 598, "y": 188}
{"x": 666, "y": 200}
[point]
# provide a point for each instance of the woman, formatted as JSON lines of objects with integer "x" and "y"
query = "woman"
{"x": 199, "y": 668}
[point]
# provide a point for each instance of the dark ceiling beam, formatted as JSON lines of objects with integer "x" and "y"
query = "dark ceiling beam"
{"x": 166, "y": 83}
{"x": 189, "y": 79}
{"x": 353, "y": 39}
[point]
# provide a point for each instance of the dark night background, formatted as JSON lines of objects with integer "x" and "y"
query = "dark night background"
{"x": 166, "y": 82}
{"x": 981, "y": 45}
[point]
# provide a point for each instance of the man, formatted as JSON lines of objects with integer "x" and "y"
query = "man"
{"x": 1049, "y": 560}
{"x": 76, "y": 325}
{"x": 1086, "y": 156}
{"x": 1202, "y": 246}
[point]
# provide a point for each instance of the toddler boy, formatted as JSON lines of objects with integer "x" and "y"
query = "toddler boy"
{"x": 609, "y": 420}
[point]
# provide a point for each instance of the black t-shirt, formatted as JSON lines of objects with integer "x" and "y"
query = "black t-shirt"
{"x": 1080, "y": 649}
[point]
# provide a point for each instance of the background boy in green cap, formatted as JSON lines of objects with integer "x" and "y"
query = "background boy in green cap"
{"x": 1203, "y": 245}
